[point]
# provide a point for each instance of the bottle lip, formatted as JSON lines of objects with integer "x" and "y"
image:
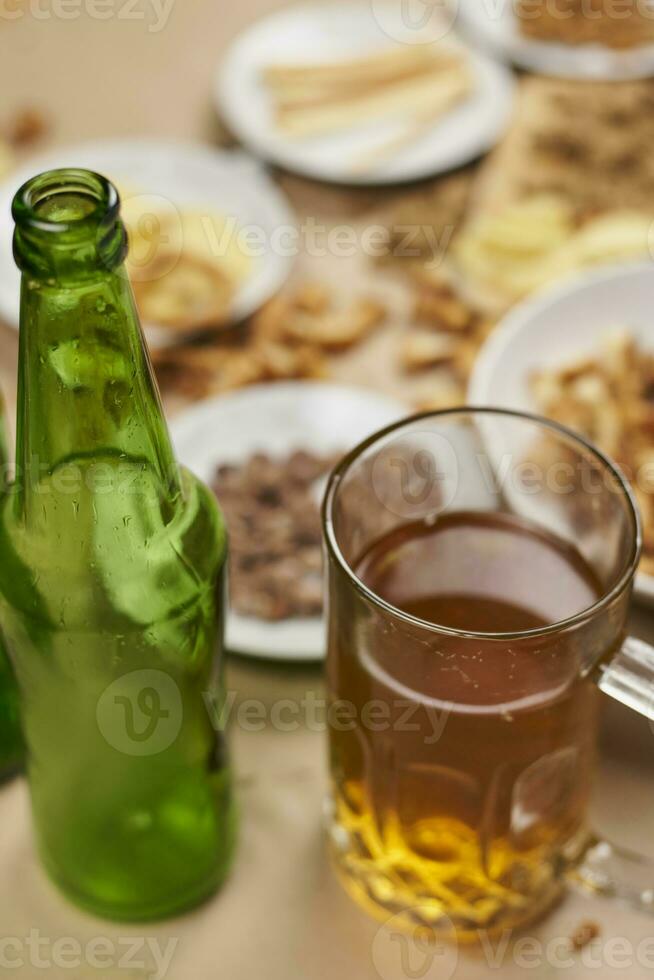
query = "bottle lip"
{"x": 67, "y": 225}
{"x": 91, "y": 200}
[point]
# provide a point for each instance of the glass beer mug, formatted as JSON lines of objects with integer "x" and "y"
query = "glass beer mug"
{"x": 480, "y": 569}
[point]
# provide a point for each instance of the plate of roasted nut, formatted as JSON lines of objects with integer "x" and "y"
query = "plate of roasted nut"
{"x": 356, "y": 93}
{"x": 592, "y": 39}
{"x": 266, "y": 451}
{"x": 583, "y": 354}
{"x": 202, "y": 225}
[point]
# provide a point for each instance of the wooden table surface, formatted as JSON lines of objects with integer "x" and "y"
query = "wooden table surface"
{"x": 281, "y": 916}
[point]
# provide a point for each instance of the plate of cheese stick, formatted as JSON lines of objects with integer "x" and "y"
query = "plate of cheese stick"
{"x": 323, "y": 90}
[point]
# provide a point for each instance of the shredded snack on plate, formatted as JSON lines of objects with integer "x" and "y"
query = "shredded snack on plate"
{"x": 609, "y": 397}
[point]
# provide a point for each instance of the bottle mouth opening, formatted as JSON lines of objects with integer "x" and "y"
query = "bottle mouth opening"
{"x": 65, "y": 201}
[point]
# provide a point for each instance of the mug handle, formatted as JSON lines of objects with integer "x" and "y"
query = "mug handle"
{"x": 629, "y": 677}
{"x": 606, "y": 868}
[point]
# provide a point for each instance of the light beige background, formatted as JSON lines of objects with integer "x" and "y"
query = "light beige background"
{"x": 281, "y": 916}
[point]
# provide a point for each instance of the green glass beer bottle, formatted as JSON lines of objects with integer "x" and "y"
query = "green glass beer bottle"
{"x": 11, "y": 746}
{"x": 112, "y": 581}
{"x": 11, "y": 742}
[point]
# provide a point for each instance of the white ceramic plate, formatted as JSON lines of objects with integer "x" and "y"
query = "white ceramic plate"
{"x": 329, "y": 31}
{"x": 555, "y": 327}
{"x": 495, "y": 26}
{"x": 277, "y": 419}
{"x": 180, "y": 175}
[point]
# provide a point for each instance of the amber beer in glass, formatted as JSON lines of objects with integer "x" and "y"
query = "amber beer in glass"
{"x": 480, "y": 568}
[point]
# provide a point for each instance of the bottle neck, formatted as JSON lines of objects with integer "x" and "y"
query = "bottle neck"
{"x": 86, "y": 389}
